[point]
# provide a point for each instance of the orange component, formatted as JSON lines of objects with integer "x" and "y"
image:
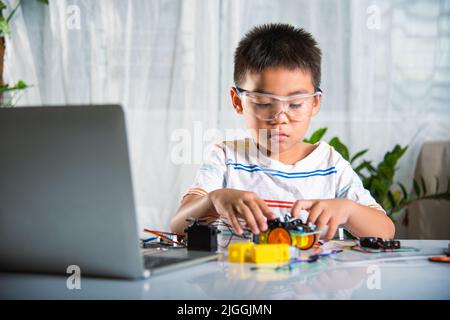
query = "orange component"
{"x": 279, "y": 235}
{"x": 439, "y": 259}
{"x": 307, "y": 242}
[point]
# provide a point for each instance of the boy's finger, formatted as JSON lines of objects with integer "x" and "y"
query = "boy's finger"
{"x": 332, "y": 228}
{"x": 303, "y": 204}
{"x": 266, "y": 210}
{"x": 246, "y": 213}
{"x": 296, "y": 209}
{"x": 323, "y": 220}
{"x": 314, "y": 214}
{"x": 234, "y": 221}
{"x": 258, "y": 214}
{"x": 236, "y": 225}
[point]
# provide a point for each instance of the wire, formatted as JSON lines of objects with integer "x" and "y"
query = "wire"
{"x": 367, "y": 250}
{"x": 162, "y": 236}
{"x": 161, "y": 232}
{"x": 149, "y": 239}
{"x": 221, "y": 222}
{"x": 232, "y": 234}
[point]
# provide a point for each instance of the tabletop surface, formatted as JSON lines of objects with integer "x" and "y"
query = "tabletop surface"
{"x": 341, "y": 276}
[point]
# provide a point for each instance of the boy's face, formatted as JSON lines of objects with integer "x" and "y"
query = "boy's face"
{"x": 282, "y": 133}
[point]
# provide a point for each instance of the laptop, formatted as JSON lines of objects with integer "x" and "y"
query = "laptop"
{"x": 66, "y": 195}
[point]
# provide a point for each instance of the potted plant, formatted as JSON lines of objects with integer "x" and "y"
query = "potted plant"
{"x": 379, "y": 179}
{"x": 5, "y": 31}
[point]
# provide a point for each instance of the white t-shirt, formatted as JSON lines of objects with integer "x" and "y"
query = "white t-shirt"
{"x": 323, "y": 174}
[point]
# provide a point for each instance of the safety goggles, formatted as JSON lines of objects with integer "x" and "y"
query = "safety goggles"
{"x": 268, "y": 107}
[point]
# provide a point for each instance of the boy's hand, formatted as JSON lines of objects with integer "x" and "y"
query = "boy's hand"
{"x": 232, "y": 203}
{"x": 330, "y": 212}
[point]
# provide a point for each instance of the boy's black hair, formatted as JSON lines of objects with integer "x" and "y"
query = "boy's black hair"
{"x": 277, "y": 45}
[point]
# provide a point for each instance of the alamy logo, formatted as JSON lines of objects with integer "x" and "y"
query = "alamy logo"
{"x": 74, "y": 280}
{"x": 373, "y": 21}
{"x": 73, "y": 21}
{"x": 374, "y": 278}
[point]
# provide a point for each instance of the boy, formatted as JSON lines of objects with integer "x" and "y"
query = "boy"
{"x": 277, "y": 70}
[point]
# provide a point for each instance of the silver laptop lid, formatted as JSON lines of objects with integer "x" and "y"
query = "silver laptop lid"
{"x": 66, "y": 195}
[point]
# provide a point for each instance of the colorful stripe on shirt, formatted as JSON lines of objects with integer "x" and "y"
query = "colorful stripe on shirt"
{"x": 290, "y": 204}
{"x": 279, "y": 204}
{"x": 283, "y": 174}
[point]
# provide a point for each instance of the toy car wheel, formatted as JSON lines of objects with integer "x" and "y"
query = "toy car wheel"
{"x": 307, "y": 242}
{"x": 279, "y": 235}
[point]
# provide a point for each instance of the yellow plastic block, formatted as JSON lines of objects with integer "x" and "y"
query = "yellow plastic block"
{"x": 240, "y": 251}
{"x": 270, "y": 253}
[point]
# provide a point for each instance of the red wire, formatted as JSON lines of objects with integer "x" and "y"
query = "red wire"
{"x": 162, "y": 232}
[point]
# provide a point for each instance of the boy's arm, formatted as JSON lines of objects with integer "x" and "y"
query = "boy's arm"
{"x": 192, "y": 206}
{"x": 355, "y": 207}
{"x": 365, "y": 221}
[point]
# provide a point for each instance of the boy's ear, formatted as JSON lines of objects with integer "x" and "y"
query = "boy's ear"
{"x": 236, "y": 100}
{"x": 316, "y": 105}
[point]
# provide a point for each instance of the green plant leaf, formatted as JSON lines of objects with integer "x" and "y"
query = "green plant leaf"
{"x": 359, "y": 154}
{"x": 4, "y": 27}
{"x": 416, "y": 188}
{"x": 367, "y": 165}
{"x": 340, "y": 147}
{"x": 424, "y": 186}
{"x": 379, "y": 180}
{"x": 405, "y": 193}
{"x": 13, "y": 12}
{"x": 20, "y": 85}
{"x": 391, "y": 157}
{"x": 386, "y": 168}
{"x": 4, "y": 23}
{"x": 436, "y": 196}
{"x": 380, "y": 187}
{"x": 316, "y": 136}
{"x": 391, "y": 199}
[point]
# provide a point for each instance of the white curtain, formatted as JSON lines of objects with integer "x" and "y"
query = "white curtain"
{"x": 386, "y": 74}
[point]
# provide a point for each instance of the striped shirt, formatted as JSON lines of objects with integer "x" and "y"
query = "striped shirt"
{"x": 323, "y": 174}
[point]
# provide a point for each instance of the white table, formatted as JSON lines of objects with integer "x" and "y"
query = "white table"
{"x": 327, "y": 279}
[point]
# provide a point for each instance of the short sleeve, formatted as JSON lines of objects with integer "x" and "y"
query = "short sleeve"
{"x": 211, "y": 174}
{"x": 350, "y": 186}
